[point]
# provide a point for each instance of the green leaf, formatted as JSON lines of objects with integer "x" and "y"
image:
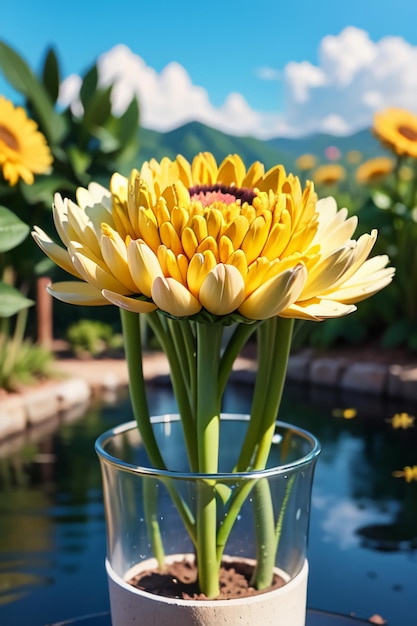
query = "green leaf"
{"x": 43, "y": 189}
{"x": 12, "y": 230}
{"x": 97, "y": 110}
{"x": 80, "y": 161}
{"x": 21, "y": 77}
{"x": 128, "y": 123}
{"x": 12, "y": 301}
{"x": 51, "y": 77}
{"x": 89, "y": 86}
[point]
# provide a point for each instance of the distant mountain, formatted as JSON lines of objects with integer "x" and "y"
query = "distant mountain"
{"x": 194, "y": 137}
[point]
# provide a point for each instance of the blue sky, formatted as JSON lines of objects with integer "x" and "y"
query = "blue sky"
{"x": 255, "y": 68}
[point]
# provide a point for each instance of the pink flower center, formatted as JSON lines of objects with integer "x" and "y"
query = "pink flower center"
{"x": 208, "y": 194}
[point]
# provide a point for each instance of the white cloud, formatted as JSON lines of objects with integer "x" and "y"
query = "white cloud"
{"x": 269, "y": 73}
{"x": 342, "y": 519}
{"x": 354, "y": 78}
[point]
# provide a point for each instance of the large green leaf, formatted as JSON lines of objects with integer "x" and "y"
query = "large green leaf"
{"x": 12, "y": 301}
{"x": 12, "y": 230}
{"x": 89, "y": 85}
{"x": 21, "y": 77}
{"x": 51, "y": 78}
{"x": 97, "y": 110}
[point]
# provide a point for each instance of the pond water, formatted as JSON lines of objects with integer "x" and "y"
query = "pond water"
{"x": 363, "y": 532}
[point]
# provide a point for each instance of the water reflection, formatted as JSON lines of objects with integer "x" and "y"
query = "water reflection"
{"x": 363, "y": 539}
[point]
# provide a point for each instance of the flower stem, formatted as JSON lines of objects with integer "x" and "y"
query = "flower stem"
{"x": 151, "y": 517}
{"x": 265, "y": 535}
{"x": 274, "y": 386}
{"x": 180, "y": 383}
{"x": 208, "y": 434}
{"x": 138, "y": 396}
{"x": 239, "y": 339}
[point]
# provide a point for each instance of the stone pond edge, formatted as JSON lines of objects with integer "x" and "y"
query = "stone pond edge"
{"x": 19, "y": 412}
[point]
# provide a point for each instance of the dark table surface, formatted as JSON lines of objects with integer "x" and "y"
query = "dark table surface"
{"x": 314, "y": 618}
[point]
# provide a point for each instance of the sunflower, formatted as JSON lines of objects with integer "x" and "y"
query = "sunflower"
{"x": 198, "y": 238}
{"x": 306, "y": 162}
{"x": 23, "y": 149}
{"x": 397, "y": 130}
{"x": 374, "y": 170}
{"x": 329, "y": 174}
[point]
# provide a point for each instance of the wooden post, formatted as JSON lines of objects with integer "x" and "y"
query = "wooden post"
{"x": 44, "y": 313}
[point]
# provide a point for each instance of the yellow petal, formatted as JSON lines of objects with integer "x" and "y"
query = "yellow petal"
{"x": 130, "y": 304}
{"x": 189, "y": 241}
{"x": 237, "y": 230}
{"x": 148, "y": 228}
{"x": 177, "y": 195}
{"x": 84, "y": 229}
{"x": 232, "y": 171}
{"x": 328, "y": 272}
{"x": 144, "y": 266}
{"x": 79, "y": 293}
{"x": 60, "y": 216}
{"x": 275, "y": 295}
{"x": 184, "y": 171}
{"x": 115, "y": 256}
{"x": 198, "y": 268}
{"x": 370, "y": 278}
{"x": 255, "y": 238}
{"x": 223, "y": 290}
{"x": 170, "y": 238}
{"x": 317, "y": 310}
{"x": 204, "y": 169}
{"x": 94, "y": 274}
{"x": 119, "y": 187}
{"x": 253, "y": 176}
{"x": 57, "y": 254}
{"x": 172, "y": 297}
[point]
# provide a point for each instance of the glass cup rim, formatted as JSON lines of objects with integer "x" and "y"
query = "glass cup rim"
{"x": 120, "y": 429}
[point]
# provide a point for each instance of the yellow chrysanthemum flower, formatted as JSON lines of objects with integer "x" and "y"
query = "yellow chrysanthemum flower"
{"x": 23, "y": 149}
{"x": 329, "y": 174}
{"x": 374, "y": 170}
{"x": 306, "y": 162}
{"x": 397, "y": 130}
{"x": 198, "y": 238}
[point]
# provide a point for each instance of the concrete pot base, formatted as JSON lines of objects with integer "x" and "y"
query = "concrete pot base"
{"x": 130, "y": 606}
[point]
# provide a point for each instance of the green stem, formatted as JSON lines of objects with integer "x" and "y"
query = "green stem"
{"x": 280, "y": 352}
{"x": 265, "y": 534}
{"x": 208, "y": 434}
{"x": 239, "y": 339}
{"x": 150, "y": 498}
{"x": 180, "y": 383}
{"x": 133, "y": 351}
{"x": 274, "y": 342}
{"x": 266, "y": 341}
{"x": 280, "y": 521}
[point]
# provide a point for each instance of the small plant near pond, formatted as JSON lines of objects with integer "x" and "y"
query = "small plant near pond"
{"x": 92, "y": 338}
